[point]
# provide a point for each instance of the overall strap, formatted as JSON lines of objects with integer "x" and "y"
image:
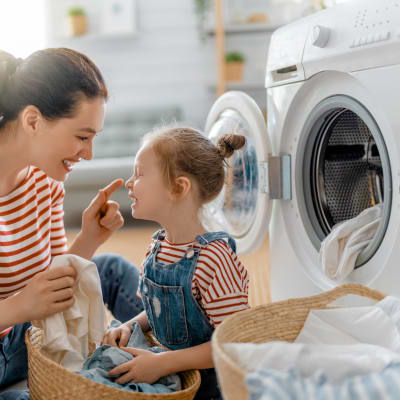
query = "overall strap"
{"x": 212, "y": 236}
{"x": 159, "y": 235}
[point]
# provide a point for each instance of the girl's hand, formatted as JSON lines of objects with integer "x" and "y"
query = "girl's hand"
{"x": 120, "y": 334}
{"x": 102, "y": 217}
{"x": 146, "y": 367}
{"x": 47, "y": 293}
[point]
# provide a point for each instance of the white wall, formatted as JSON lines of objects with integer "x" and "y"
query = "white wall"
{"x": 165, "y": 63}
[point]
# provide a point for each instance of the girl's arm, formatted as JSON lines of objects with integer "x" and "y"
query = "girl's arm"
{"x": 149, "y": 367}
{"x": 120, "y": 336}
{"x": 141, "y": 319}
{"x": 196, "y": 357}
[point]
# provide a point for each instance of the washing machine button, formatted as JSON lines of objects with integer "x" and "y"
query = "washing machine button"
{"x": 320, "y": 36}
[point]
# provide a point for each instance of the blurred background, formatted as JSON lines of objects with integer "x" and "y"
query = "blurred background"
{"x": 164, "y": 62}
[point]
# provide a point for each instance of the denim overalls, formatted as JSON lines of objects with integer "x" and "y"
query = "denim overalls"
{"x": 175, "y": 317}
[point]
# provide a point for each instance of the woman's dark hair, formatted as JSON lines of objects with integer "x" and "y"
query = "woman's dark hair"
{"x": 53, "y": 80}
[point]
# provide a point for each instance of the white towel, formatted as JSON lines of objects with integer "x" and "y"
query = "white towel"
{"x": 340, "y": 343}
{"x": 336, "y": 362}
{"x": 340, "y": 249}
{"x": 67, "y": 334}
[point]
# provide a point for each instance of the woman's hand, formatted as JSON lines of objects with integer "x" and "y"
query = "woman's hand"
{"x": 47, "y": 293}
{"x": 146, "y": 367}
{"x": 120, "y": 334}
{"x": 102, "y": 217}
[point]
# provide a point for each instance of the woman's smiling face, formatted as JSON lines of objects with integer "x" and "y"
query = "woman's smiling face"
{"x": 60, "y": 144}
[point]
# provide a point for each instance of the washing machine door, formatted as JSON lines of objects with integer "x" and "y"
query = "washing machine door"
{"x": 243, "y": 207}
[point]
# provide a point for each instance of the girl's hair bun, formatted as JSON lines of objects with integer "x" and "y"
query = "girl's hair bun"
{"x": 228, "y": 143}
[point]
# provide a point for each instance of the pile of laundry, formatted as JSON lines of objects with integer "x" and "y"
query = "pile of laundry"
{"x": 351, "y": 353}
{"x": 66, "y": 335}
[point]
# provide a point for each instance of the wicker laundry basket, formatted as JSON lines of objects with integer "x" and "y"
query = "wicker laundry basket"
{"x": 282, "y": 321}
{"x": 50, "y": 381}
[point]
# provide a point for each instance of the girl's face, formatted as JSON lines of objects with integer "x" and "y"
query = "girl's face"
{"x": 150, "y": 195}
{"x": 60, "y": 144}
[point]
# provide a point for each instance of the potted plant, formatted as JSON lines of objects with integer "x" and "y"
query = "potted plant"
{"x": 234, "y": 64}
{"x": 201, "y": 8}
{"x": 77, "y": 21}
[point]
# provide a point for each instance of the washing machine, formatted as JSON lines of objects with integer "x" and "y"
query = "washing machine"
{"x": 330, "y": 148}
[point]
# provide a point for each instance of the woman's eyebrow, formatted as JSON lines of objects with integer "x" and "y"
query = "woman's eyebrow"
{"x": 89, "y": 130}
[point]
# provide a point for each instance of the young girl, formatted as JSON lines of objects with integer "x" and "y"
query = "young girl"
{"x": 191, "y": 279}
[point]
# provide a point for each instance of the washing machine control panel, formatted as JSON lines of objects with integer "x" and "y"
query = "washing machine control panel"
{"x": 320, "y": 36}
{"x": 353, "y": 36}
{"x": 370, "y": 39}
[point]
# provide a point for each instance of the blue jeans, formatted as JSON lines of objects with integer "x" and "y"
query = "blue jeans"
{"x": 119, "y": 283}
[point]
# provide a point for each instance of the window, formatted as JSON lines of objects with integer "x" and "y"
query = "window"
{"x": 22, "y": 26}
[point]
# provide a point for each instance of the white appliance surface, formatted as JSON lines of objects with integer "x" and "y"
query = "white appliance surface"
{"x": 336, "y": 69}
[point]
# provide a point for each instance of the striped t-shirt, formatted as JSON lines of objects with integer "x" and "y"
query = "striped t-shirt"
{"x": 31, "y": 230}
{"x": 220, "y": 281}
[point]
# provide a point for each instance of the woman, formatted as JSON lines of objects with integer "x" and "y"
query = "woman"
{"x": 51, "y": 108}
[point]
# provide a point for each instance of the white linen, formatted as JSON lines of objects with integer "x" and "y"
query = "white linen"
{"x": 67, "y": 334}
{"x": 340, "y": 343}
{"x": 340, "y": 249}
{"x": 335, "y": 361}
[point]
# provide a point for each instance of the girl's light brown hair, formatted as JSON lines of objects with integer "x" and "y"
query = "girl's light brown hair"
{"x": 187, "y": 152}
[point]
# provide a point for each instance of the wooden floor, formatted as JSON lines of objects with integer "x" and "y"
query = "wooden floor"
{"x": 132, "y": 242}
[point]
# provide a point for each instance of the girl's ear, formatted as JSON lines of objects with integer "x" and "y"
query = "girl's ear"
{"x": 182, "y": 187}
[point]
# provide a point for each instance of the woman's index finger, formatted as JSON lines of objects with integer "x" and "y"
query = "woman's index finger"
{"x": 112, "y": 187}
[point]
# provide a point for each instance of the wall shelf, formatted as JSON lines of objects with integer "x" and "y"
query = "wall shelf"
{"x": 246, "y": 86}
{"x": 95, "y": 37}
{"x": 244, "y": 28}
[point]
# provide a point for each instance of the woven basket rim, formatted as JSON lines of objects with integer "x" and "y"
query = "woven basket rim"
{"x": 330, "y": 296}
{"x": 194, "y": 387}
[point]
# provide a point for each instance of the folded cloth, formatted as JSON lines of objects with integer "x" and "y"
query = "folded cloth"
{"x": 378, "y": 325}
{"x": 340, "y": 343}
{"x": 336, "y": 362}
{"x": 277, "y": 385}
{"x": 340, "y": 249}
{"x": 106, "y": 357}
{"x": 67, "y": 334}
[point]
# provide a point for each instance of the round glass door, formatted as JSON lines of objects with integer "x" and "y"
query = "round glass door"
{"x": 242, "y": 208}
{"x": 345, "y": 170}
{"x": 234, "y": 209}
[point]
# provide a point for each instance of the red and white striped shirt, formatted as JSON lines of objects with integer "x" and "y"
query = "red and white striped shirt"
{"x": 220, "y": 281}
{"x": 31, "y": 230}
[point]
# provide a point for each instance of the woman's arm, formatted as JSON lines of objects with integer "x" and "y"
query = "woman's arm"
{"x": 47, "y": 293}
{"x": 84, "y": 247}
{"x": 99, "y": 221}
{"x": 10, "y": 316}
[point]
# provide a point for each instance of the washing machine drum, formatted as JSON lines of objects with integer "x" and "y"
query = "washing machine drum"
{"x": 346, "y": 168}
